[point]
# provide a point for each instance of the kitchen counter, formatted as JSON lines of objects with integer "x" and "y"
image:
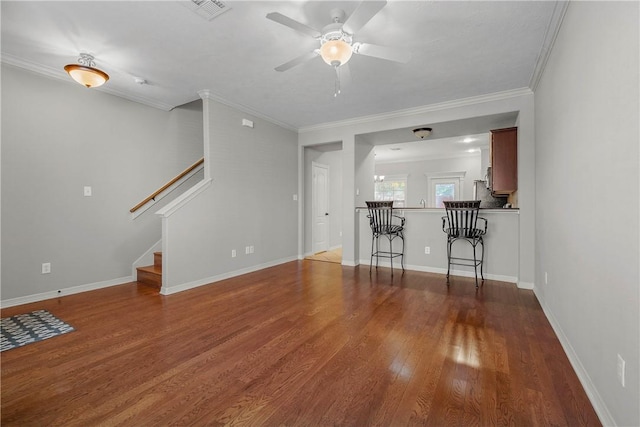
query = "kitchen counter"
{"x": 423, "y": 229}
{"x": 441, "y": 210}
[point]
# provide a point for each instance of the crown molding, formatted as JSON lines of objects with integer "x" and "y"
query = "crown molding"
{"x": 550, "y": 36}
{"x": 496, "y": 96}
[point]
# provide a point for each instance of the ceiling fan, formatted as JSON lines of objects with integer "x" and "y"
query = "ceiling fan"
{"x": 336, "y": 39}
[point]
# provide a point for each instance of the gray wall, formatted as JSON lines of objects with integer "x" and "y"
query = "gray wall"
{"x": 58, "y": 137}
{"x": 249, "y": 203}
{"x": 333, "y": 159}
{"x": 417, "y": 180}
{"x": 587, "y": 178}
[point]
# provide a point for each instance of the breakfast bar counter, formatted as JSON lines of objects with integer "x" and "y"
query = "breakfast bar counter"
{"x": 426, "y": 243}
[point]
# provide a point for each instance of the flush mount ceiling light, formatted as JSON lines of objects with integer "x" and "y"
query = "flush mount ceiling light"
{"x": 85, "y": 72}
{"x": 422, "y": 133}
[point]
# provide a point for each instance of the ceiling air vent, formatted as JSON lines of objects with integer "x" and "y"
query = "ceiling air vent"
{"x": 207, "y": 9}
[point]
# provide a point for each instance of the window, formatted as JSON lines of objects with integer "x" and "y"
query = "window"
{"x": 444, "y": 186}
{"x": 445, "y": 191}
{"x": 392, "y": 188}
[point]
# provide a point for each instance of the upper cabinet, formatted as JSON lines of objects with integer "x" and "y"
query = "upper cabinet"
{"x": 504, "y": 161}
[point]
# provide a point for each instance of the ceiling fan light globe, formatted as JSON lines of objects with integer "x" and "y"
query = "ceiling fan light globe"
{"x": 334, "y": 51}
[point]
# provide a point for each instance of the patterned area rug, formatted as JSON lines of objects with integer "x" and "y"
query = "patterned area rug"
{"x": 31, "y": 327}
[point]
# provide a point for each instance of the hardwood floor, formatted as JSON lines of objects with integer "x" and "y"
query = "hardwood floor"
{"x": 304, "y": 343}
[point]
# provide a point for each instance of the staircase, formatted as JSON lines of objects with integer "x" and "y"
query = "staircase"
{"x": 152, "y": 274}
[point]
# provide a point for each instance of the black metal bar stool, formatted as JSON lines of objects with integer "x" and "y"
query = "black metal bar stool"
{"x": 461, "y": 223}
{"x": 381, "y": 220}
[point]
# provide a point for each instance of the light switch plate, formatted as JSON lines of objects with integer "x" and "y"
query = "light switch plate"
{"x": 87, "y": 191}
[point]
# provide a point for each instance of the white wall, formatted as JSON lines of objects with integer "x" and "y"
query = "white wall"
{"x": 587, "y": 175}
{"x": 249, "y": 203}
{"x": 58, "y": 137}
{"x": 333, "y": 159}
{"x": 417, "y": 187}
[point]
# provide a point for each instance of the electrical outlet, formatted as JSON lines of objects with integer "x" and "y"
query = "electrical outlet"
{"x": 621, "y": 368}
{"x": 46, "y": 267}
{"x": 233, "y": 253}
{"x": 295, "y": 197}
{"x": 87, "y": 191}
{"x": 250, "y": 249}
{"x": 246, "y": 250}
{"x": 427, "y": 250}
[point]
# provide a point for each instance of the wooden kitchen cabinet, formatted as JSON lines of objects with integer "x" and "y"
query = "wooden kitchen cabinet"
{"x": 504, "y": 161}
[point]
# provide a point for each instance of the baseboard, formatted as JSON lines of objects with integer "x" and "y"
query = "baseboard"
{"x": 168, "y": 290}
{"x": 525, "y": 285}
{"x": 66, "y": 291}
{"x": 454, "y": 272}
{"x": 592, "y": 392}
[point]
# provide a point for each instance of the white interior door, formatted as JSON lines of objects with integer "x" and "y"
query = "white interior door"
{"x": 320, "y": 208}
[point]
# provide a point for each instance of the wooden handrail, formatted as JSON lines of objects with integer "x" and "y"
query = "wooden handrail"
{"x": 167, "y": 185}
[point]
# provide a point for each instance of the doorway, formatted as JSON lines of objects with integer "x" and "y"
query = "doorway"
{"x": 320, "y": 207}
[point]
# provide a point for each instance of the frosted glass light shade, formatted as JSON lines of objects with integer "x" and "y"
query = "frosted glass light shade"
{"x": 336, "y": 52}
{"x": 86, "y": 76}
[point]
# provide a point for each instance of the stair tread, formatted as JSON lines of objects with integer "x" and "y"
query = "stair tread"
{"x": 153, "y": 269}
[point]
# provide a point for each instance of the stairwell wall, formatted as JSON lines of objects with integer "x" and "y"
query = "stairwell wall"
{"x": 254, "y": 174}
{"x": 58, "y": 137}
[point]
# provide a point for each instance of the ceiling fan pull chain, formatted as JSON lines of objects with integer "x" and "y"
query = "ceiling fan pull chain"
{"x": 336, "y": 91}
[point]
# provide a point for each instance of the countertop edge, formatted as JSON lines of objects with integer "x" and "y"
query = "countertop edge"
{"x": 442, "y": 211}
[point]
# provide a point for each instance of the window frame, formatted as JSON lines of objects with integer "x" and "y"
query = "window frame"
{"x": 442, "y": 177}
{"x": 393, "y": 178}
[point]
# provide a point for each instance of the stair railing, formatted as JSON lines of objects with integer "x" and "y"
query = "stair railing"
{"x": 167, "y": 188}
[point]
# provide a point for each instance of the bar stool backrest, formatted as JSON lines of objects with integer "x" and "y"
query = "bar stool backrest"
{"x": 462, "y": 217}
{"x": 380, "y": 215}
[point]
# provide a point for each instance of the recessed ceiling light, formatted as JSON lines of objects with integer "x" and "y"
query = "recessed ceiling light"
{"x": 468, "y": 140}
{"x": 473, "y": 150}
{"x": 395, "y": 148}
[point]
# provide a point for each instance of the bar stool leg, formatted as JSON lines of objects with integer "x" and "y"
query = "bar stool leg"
{"x": 482, "y": 260}
{"x": 402, "y": 256}
{"x": 475, "y": 262}
{"x": 449, "y": 242}
{"x": 373, "y": 238}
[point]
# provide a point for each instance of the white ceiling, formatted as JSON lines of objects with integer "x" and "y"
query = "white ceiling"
{"x": 459, "y": 50}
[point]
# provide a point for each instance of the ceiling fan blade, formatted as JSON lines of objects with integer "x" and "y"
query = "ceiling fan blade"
{"x": 297, "y": 61}
{"x": 363, "y": 14}
{"x": 382, "y": 52}
{"x": 291, "y": 23}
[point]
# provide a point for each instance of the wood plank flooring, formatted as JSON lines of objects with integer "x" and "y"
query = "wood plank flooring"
{"x": 301, "y": 344}
{"x": 328, "y": 256}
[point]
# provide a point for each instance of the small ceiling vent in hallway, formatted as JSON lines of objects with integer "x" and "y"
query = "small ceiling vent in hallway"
{"x": 207, "y": 9}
